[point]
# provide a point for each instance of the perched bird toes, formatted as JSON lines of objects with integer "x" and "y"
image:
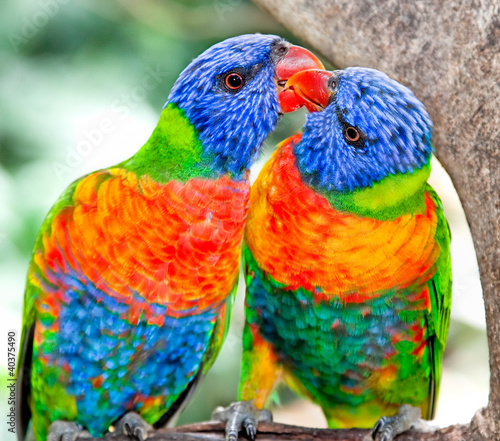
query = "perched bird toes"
{"x": 387, "y": 428}
{"x": 132, "y": 425}
{"x": 66, "y": 431}
{"x": 242, "y": 414}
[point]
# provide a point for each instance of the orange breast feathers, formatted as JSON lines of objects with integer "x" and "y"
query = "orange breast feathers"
{"x": 174, "y": 244}
{"x": 297, "y": 237}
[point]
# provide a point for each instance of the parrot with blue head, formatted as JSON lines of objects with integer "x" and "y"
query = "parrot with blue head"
{"x": 133, "y": 274}
{"x": 347, "y": 260}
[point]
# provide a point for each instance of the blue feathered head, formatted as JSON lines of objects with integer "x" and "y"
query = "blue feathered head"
{"x": 230, "y": 95}
{"x": 371, "y": 127}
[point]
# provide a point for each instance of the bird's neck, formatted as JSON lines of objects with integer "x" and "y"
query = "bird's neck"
{"x": 387, "y": 199}
{"x": 173, "y": 151}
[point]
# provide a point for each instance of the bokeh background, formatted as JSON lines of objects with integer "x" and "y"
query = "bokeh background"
{"x": 68, "y": 65}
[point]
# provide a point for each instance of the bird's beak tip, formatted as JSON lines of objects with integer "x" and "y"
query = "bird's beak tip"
{"x": 296, "y": 60}
{"x": 307, "y": 88}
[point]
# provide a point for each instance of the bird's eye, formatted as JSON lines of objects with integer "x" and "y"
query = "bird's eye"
{"x": 234, "y": 81}
{"x": 351, "y": 134}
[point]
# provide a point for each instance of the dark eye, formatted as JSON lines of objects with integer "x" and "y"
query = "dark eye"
{"x": 351, "y": 134}
{"x": 234, "y": 81}
{"x": 282, "y": 50}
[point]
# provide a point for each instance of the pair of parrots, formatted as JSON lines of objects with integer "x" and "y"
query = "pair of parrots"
{"x": 345, "y": 250}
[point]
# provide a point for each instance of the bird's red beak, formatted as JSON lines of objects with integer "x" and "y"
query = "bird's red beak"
{"x": 307, "y": 88}
{"x": 297, "y": 59}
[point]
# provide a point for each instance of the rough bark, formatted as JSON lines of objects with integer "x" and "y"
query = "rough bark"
{"x": 448, "y": 53}
{"x": 211, "y": 431}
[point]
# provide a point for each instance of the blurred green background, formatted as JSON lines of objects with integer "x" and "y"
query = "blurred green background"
{"x": 67, "y": 65}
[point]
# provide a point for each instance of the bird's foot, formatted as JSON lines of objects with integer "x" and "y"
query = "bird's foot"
{"x": 66, "y": 431}
{"x": 242, "y": 414}
{"x": 132, "y": 425}
{"x": 387, "y": 428}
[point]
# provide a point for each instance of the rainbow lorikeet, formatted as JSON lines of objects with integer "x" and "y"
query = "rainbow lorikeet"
{"x": 133, "y": 273}
{"x": 347, "y": 260}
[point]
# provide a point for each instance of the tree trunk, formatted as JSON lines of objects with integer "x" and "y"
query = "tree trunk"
{"x": 448, "y": 53}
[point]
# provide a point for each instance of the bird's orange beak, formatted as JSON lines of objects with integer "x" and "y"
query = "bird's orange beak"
{"x": 307, "y": 88}
{"x": 296, "y": 60}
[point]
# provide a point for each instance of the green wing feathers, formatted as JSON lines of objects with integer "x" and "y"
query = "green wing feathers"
{"x": 440, "y": 297}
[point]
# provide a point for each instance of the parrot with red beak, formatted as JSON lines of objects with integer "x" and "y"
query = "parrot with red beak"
{"x": 134, "y": 271}
{"x": 347, "y": 260}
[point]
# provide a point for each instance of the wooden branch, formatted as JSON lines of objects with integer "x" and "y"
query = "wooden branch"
{"x": 212, "y": 431}
{"x": 448, "y": 53}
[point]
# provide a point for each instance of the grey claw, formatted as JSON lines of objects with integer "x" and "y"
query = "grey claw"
{"x": 384, "y": 428}
{"x": 389, "y": 427}
{"x": 66, "y": 431}
{"x": 242, "y": 414}
{"x": 140, "y": 433}
{"x": 379, "y": 424}
{"x": 250, "y": 428}
{"x": 132, "y": 425}
{"x": 387, "y": 434}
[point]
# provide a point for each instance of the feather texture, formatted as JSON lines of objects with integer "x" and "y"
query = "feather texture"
{"x": 127, "y": 268}
{"x": 133, "y": 274}
{"x": 347, "y": 259}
